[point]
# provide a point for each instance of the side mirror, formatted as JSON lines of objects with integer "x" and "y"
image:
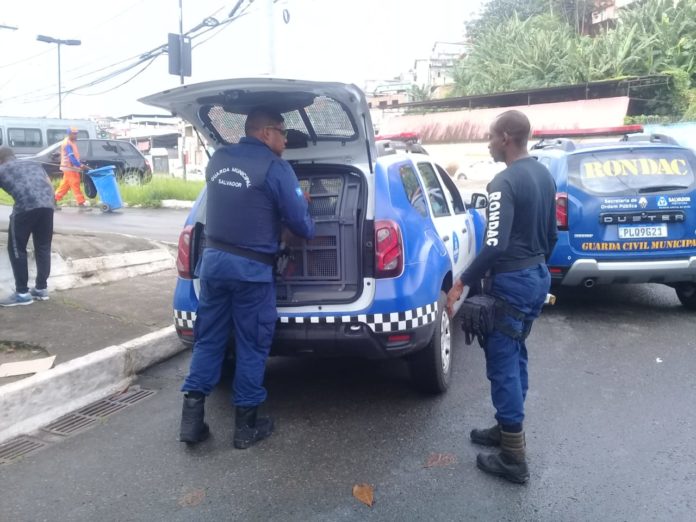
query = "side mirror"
{"x": 479, "y": 200}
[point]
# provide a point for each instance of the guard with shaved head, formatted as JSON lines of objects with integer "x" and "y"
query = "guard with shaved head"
{"x": 520, "y": 235}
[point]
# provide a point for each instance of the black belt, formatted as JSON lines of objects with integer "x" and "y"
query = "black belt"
{"x": 266, "y": 259}
{"x": 518, "y": 264}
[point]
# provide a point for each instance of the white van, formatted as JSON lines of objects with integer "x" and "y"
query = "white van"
{"x": 27, "y": 136}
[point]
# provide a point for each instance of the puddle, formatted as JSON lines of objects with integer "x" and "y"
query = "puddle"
{"x": 15, "y": 351}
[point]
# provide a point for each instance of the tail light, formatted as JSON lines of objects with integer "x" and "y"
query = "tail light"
{"x": 147, "y": 164}
{"x": 389, "y": 249}
{"x": 562, "y": 211}
{"x": 183, "y": 255}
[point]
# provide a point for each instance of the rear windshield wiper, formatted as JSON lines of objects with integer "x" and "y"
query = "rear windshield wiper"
{"x": 660, "y": 188}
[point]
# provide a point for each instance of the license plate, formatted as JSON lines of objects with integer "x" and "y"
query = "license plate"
{"x": 643, "y": 231}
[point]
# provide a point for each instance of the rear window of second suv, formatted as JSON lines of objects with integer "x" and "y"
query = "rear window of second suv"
{"x": 638, "y": 170}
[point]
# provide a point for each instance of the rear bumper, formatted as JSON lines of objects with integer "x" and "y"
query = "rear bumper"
{"x": 340, "y": 340}
{"x": 609, "y": 272}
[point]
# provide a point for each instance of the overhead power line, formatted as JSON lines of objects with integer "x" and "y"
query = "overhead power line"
{"x": 208, "y": 25}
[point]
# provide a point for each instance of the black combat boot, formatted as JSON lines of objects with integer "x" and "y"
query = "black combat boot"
{"x": 511, "y": 462}
{"x": 248, "y": 428}
{"x": 486, "y": 437}
{"x": 193, "y": 429}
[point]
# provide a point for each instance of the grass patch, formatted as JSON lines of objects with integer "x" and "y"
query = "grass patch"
{"x": 148, "y": 195}
{"x": 151, "y": 194}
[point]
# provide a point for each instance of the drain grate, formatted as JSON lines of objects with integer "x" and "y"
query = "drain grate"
{"x": 69, "y": 424}
{"x": 131, "y": 396}
{"x": 17, "y": 448}
{"x": 89, "y": 415}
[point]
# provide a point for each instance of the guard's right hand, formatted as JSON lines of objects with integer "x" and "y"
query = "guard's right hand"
{"x": 453, "y": 296}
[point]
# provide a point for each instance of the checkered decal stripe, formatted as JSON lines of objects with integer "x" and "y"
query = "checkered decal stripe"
{"x": 393, "y": 322}
{"x": 184, "y": 320}
{"x": 378, "y": 323}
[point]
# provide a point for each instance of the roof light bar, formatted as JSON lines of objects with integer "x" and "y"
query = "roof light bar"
{"x": 577, "y": 133}
{"x": 401, "y": 136}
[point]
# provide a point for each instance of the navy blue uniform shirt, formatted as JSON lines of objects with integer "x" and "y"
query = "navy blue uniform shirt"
{"x": 282, "y": 189}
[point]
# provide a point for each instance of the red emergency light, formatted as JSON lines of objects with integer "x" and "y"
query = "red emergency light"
{"x": 578, "y": 133}
{"x": 400, "y": 136}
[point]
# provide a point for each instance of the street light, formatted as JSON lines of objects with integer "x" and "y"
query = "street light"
{"x": 49, "y": 39}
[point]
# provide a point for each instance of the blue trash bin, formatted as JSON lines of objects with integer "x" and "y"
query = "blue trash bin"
{"x": 104, "y": 179}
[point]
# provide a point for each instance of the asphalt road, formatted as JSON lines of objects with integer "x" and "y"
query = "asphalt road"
{"x": 159, "y": 224}
{"x": 610, "y": 432}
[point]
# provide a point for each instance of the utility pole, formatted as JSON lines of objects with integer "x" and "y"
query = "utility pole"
{"x": 181, "y": 42}
{"x": 58, "y": 42}
{"x": 271, "y": 37}
{"x": 181, "y": 81}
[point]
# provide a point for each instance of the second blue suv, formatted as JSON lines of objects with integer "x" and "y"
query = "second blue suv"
{"x": 625, "y": 209}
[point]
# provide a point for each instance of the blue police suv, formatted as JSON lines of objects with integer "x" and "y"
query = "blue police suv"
{"x": 624, "y": 208}
{"x": 392, "y": 232}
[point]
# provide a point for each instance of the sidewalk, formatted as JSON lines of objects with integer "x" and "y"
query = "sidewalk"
{"x": 108, "y": 317}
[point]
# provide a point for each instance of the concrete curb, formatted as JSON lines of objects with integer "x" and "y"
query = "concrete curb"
{"x": 69, "y": 273}
{"x": 35, "y": 401}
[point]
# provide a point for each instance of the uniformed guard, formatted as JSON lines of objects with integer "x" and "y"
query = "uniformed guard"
{"x": 251, "y": 191}
{"x": 520, "y": 235}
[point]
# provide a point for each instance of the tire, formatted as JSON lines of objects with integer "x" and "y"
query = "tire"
{"x": 431, "y": 367}
{"x": 686, "y": 292}
{"x": 131, "y": 177}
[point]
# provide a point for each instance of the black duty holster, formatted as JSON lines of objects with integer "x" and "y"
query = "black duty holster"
{"x": 482, "y": 314}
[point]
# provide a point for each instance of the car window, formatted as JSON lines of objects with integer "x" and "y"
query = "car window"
{"x": 432, "y": 186}
{"x": 56, "y": 135}
{"x": 24, "y": 137}
{"x": 323, "y": 118}
{"x": 414, "y": 191}
{"x": 451, "y": 189}
{"x": 634, "y": 170}
{"x": 110, "y": 149}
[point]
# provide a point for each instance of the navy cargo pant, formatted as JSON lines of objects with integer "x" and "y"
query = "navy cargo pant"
{"x": 506, "y": 357}
{"x": 250, "y": 309}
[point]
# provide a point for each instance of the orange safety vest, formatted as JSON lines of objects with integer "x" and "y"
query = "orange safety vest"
{"x": 65, "y": 163}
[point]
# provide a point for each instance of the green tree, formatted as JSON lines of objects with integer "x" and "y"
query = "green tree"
{"x": 549, "y": 49}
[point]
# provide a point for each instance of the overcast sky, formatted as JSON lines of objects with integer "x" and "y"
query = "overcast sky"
{"x": 342, "y": 40}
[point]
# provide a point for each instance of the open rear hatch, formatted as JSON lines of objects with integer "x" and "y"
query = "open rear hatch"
{"x": 331, "y": 146}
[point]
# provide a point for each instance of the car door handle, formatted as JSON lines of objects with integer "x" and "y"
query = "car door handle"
{"x": 445, "y": 238}
{"x": 465, "y": 230}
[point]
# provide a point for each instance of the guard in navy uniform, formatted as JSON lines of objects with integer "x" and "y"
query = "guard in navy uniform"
{"x": 520, "y": 235}
{"x": 252, "y": 192}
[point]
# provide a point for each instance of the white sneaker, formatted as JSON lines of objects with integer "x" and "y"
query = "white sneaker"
{"x": 39, "y": 295}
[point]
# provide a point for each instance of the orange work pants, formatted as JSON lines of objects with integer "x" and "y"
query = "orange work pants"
{"x": 71, "y": 181}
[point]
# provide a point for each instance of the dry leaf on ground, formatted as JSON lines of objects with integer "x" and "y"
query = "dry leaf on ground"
{"x": 440, "y": 460}
{"x": 364, "y": 493}
{"x": 192, "y": 498}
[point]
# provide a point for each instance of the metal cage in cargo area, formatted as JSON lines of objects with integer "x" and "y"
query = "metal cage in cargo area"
{"x": 324, "y": 262}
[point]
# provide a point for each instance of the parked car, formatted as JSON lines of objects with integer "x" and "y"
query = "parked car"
{"x": 625, "y": 210}
{"x": 392, "y": 232}
{"x": 131, "y": 166}
{"x": 481, "y": 169}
